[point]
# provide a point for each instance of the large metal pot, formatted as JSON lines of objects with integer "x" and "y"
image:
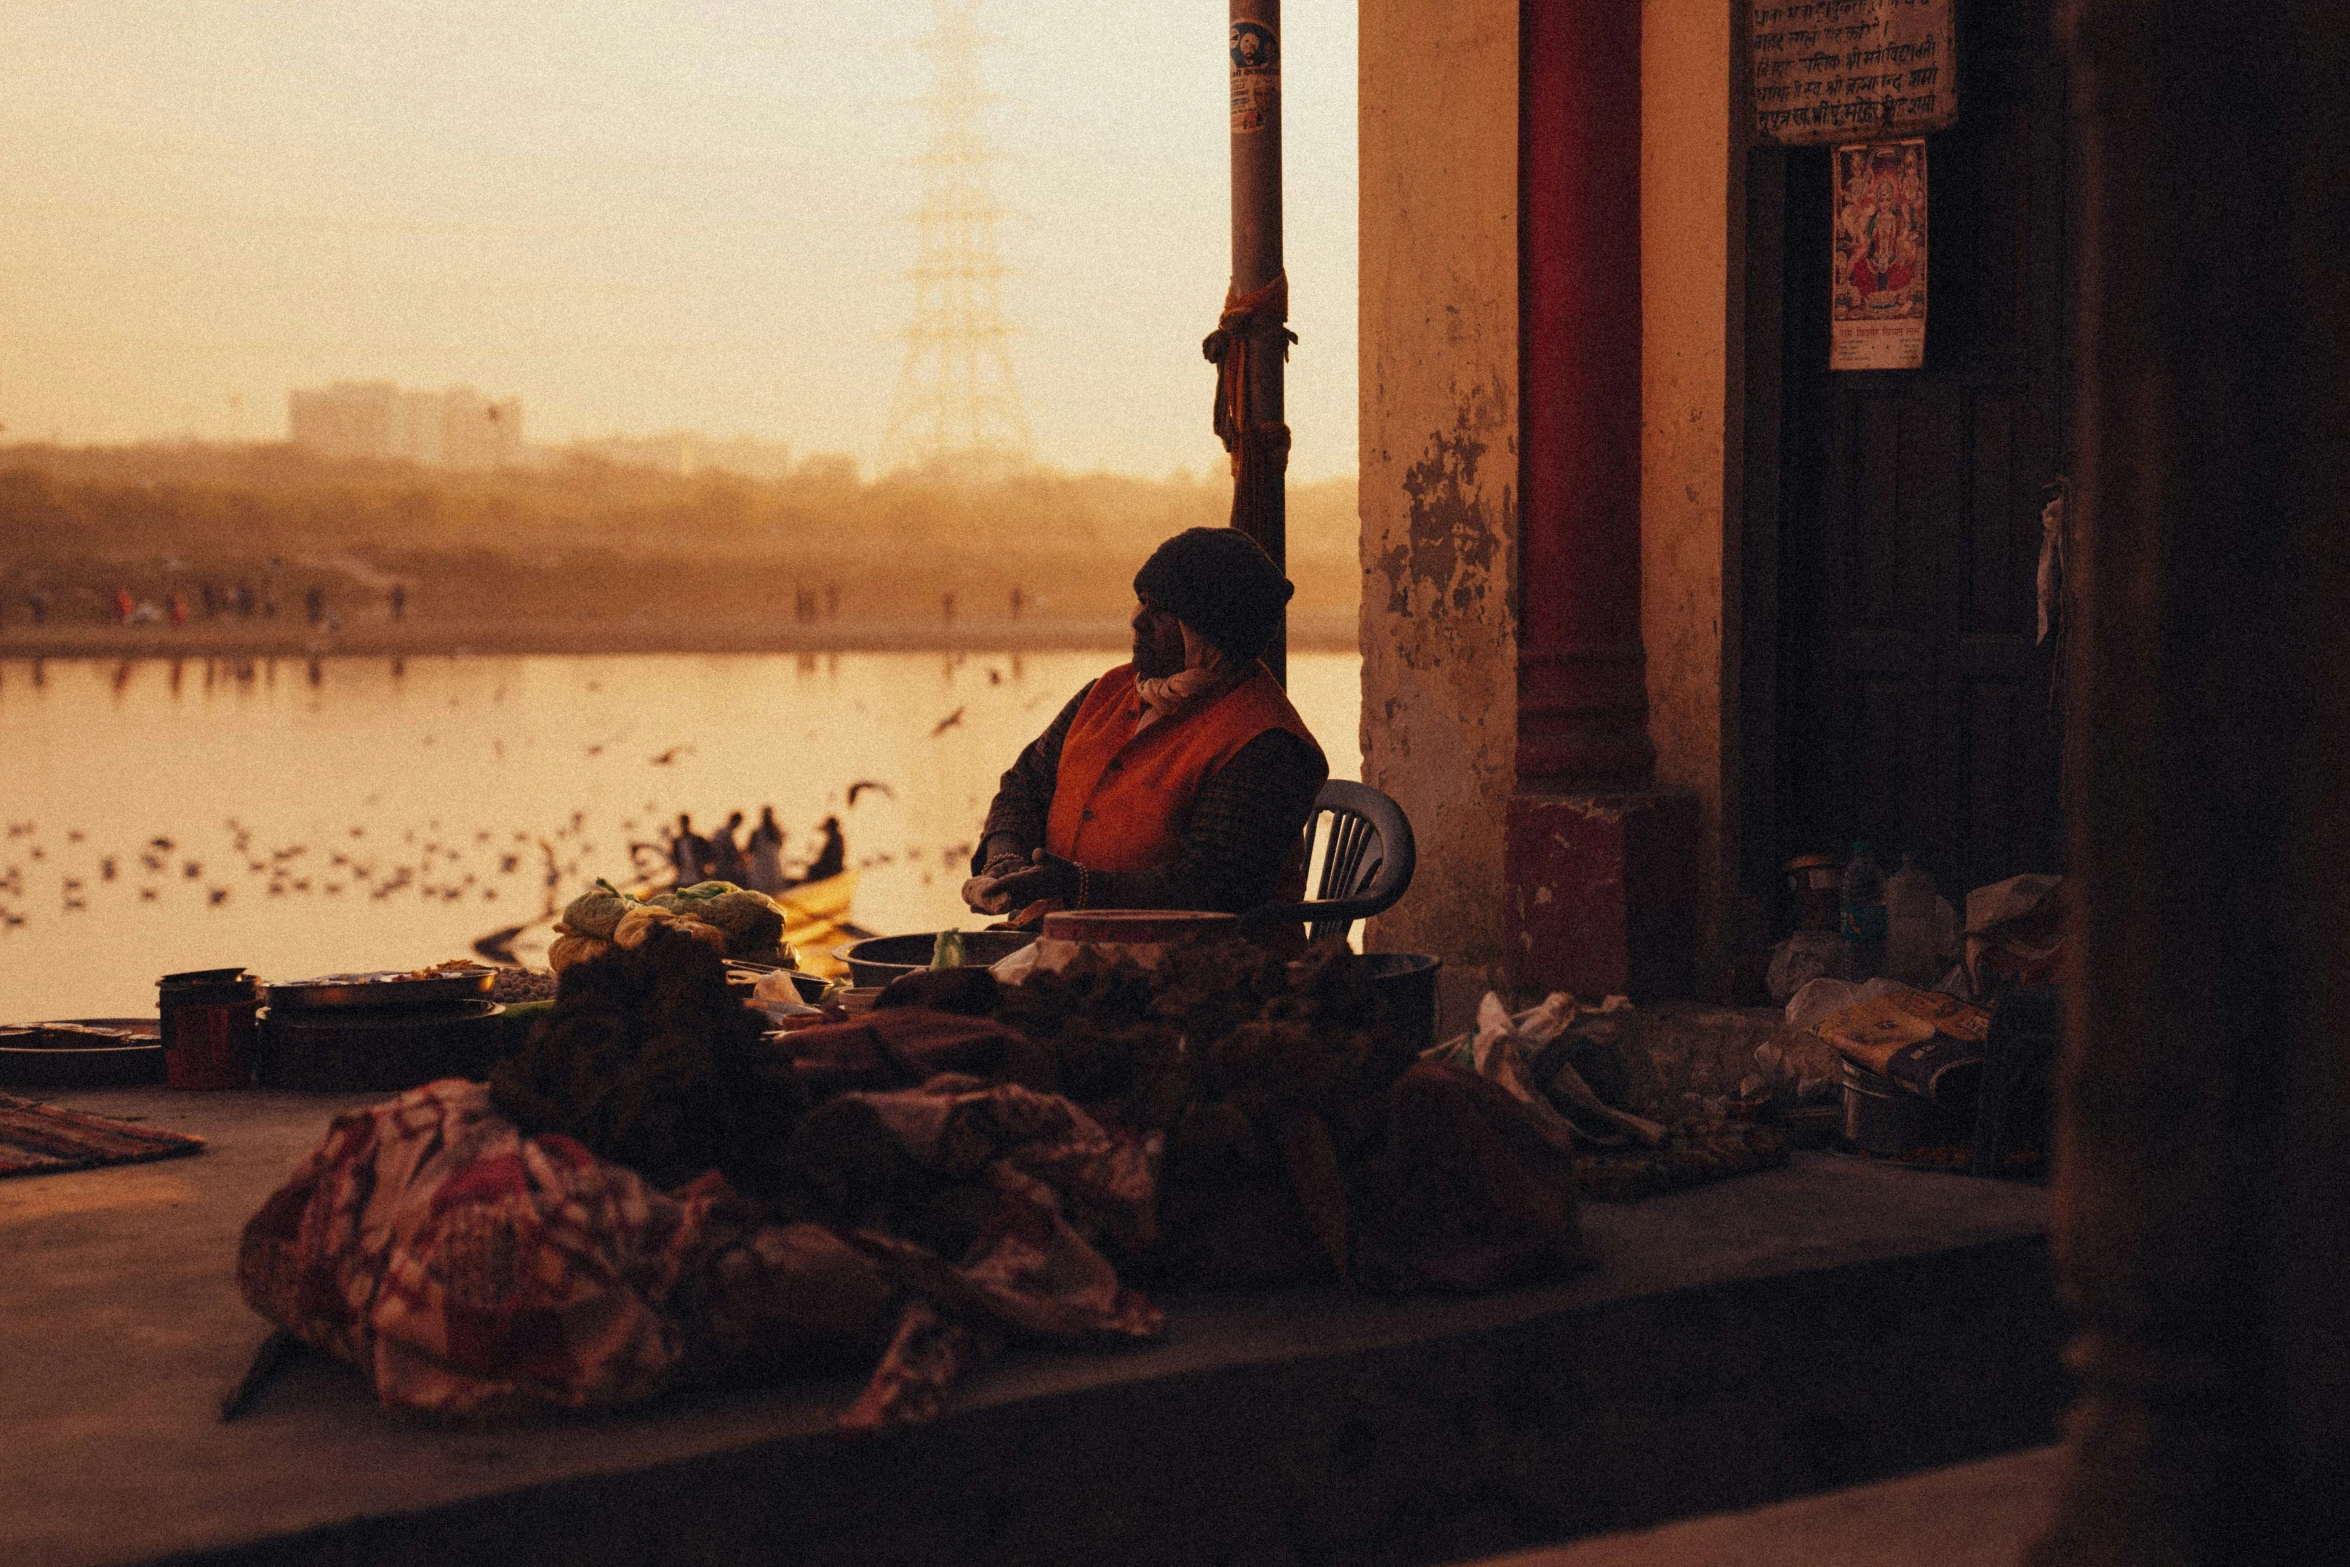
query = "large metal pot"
{"x": 1405, "y": 985}
{"x": 879, "y": 959}
{"x": 1883, "y": 1118}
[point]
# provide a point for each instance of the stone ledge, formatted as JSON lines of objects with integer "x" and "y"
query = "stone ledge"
{"x": 1815, "y": 1326}
{"x": 1969, "y": 1515}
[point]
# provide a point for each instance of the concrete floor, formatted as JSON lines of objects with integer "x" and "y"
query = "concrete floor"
{"x": 1982, "y": 1514}
{"x": 120, "y": 1329}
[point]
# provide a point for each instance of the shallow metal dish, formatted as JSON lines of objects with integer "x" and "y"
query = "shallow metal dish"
{"x": 388, "y": 988}
{"x": 90, "y": 1052}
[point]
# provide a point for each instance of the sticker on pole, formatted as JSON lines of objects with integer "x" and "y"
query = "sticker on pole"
{"x": 1256, "y": 76}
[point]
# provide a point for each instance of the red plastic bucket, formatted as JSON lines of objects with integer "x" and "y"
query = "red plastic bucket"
{"x": 210, "y": 1028}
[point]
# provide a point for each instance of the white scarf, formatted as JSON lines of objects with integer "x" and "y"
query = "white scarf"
{"x": 1206, "y": 672}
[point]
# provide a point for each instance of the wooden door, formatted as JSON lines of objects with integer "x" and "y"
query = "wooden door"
{"x": 1915, "y": 701}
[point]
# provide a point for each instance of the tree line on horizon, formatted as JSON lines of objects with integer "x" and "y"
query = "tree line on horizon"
{"x": 75, "y": 514}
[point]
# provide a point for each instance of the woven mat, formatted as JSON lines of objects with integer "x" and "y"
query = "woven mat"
{"x": 1692, "y": 1156}
{"x": 38, "y": 1139}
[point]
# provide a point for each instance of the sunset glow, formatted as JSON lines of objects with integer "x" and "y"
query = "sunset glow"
{"x": 636, "y": 219}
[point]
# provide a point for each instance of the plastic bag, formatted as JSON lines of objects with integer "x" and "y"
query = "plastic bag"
{"x": 1805, "y": 956}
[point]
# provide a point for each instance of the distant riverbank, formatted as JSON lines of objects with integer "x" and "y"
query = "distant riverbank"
{"x": 288, "y": 637}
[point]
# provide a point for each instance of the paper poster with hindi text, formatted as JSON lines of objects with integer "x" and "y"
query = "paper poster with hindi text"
{"x": 1839, "y": 70}
{"x": 1878, "y": 313}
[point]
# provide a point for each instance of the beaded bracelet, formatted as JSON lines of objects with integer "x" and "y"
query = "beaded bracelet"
{"x": 1084, "y": 888}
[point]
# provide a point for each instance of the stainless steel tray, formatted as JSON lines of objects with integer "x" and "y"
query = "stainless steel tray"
{"x": 389, "y": 988}
{"x": 89, "y": 1052}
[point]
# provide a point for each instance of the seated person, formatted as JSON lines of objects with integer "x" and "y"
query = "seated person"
{"x": 1180, "y": 781}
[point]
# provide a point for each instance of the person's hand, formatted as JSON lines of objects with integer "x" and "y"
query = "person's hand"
{"x": 1046, "y": 876}
{"x": 980, "y": 896}
{"x": 979, "y": 893}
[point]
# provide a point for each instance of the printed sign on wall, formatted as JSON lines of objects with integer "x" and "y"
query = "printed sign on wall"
{"x": 1831, "y": 70}
{"x": 1879, "y": 311}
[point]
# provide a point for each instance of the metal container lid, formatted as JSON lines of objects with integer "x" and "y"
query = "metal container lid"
{"x": 199, "y": 987}
{"x": 1120, "y": 926}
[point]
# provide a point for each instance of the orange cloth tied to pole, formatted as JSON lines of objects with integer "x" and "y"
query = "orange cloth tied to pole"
{"x": 1260, "y": 452}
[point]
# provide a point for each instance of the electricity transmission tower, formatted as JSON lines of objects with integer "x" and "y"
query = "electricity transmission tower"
{"x": 955, "y": 395}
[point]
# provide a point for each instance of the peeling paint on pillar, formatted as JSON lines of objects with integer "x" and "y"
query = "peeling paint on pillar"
{"x": 1439, "y": 461}
{"x": 1449, "y": 544}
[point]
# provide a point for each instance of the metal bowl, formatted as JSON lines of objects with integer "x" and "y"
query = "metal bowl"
{"x": 880, "y": 959}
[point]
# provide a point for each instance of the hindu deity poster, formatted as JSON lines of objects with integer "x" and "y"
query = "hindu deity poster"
{"x": 1879, "y": 309}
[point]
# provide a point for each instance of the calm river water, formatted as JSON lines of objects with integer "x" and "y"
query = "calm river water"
{"x": 363, "y": 813}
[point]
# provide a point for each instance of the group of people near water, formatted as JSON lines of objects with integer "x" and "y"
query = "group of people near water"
{"x": 755, "y": 862}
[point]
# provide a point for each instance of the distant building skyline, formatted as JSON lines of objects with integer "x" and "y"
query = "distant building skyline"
{"x": 453, "y": 428}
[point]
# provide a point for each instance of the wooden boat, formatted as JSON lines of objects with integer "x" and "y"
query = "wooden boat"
{"x": 816, "y": 919}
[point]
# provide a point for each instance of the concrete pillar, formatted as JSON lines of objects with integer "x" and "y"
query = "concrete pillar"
{"x": 1692, "y": 400}
{"x": 1599, "y": 862}
{"x": 2204, "y": 1145}
{"x": 1439, "y": 461}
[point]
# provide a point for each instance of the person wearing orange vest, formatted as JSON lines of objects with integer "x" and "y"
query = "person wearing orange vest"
{"x": 1182, "y": 780}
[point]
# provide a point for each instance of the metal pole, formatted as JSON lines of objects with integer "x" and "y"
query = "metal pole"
{"x": 1255, "y": 48}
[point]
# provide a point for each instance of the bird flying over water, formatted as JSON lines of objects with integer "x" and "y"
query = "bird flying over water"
{"x": 670, "y": 756}
{"x": 882, "y": 789}
{"x": 947, "y": 723}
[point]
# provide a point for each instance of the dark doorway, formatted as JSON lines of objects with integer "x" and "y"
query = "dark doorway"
{"x": 1908, "y": 700}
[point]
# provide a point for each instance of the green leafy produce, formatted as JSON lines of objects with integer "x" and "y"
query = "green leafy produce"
{"x": 753, "y": 922}
{"x": 598, "y": 911}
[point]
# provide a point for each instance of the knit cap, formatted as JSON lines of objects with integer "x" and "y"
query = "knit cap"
{"x": 1221, "y": 584}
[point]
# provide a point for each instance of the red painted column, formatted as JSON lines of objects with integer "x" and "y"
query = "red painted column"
{"x": 1598, "y": 862}
{"x": 1582, "y": 701}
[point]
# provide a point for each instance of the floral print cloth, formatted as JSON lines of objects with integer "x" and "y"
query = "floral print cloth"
{"x": 463, "y": 1266}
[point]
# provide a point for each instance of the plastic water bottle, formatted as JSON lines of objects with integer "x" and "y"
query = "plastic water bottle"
{"x": 1913, "y": 949}
{"x": 1863, "y": 912}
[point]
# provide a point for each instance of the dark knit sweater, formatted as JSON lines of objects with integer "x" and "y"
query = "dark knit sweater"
{"x": 1245, "y": 821}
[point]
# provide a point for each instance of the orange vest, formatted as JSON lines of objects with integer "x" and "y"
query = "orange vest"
{"x": 1121, "y": 802}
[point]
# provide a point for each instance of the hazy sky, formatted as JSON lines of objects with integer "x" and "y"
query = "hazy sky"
{"x": 668, "y": 214}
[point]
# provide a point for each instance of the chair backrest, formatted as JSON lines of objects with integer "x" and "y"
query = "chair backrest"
{"x": 1367, "y": 859}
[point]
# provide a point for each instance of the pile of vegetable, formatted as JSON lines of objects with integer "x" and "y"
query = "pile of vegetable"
{"x": 1219, "y": 1049}
{"x": 732, "y": 921}
{"x": 649, "y": 1060}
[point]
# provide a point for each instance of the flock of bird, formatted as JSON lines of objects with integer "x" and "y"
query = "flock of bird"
{"x": 488, "y": 865}
{"x": 428, "y": 861}
{"x": 529, "y": 871}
